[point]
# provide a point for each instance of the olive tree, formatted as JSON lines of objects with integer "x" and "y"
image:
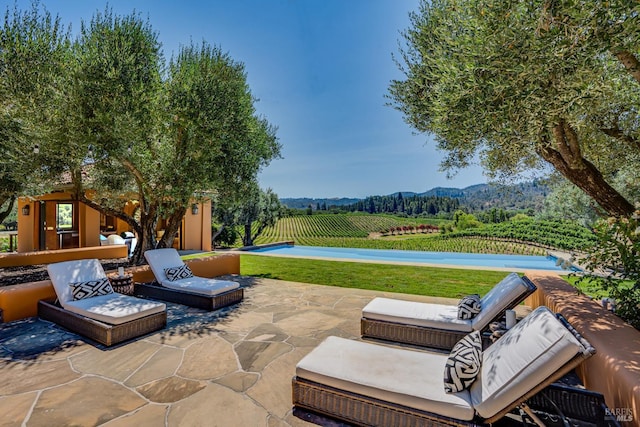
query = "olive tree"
{"x": 216, "y": 141}
{"x": 524, "y": 85}
{"x": 110, "y": 127}
{"x": 34, "y": 47}
{"x": 262, "y": 209}
{"x": 157, "y": 139}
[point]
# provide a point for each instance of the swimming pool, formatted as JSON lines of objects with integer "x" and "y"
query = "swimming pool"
{"x": 467, "y": 260}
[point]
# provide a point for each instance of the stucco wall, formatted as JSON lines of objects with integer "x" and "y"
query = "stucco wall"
{"x": 21, "y": 301}
{"x": 614, "y": 370}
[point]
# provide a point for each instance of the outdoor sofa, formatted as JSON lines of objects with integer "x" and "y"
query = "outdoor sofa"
{"x": 437, "y": 325}
{"x": 182, "y": 287}
{"x": 87, "y": 305}
{"x": 372, "y": 384}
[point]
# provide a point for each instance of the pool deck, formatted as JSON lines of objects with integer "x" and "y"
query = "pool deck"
{"x": 231, "y": 367}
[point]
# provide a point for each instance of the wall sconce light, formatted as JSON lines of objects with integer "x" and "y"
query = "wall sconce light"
{"x": 194, "y": 209}
{"x": 25, "y": 210}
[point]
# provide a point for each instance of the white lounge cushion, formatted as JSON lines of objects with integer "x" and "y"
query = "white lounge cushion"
{"x": 64, "y": 273}
{"x": 438, "y": 316}
{"x": 161, "y": 259}
{"x": 112, "y": 308}
{"x": 202, "y": 285}
{"x": 115, "y": 308}
{"x": 498, "y": 299}
{"x": 406, "y": 377}
{"x": 114, "y": 239}
{"x": 525, "y": 356}
{"x": 443, "y": 316}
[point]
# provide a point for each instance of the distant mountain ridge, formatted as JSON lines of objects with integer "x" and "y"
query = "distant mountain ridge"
{"x": 521, "y": 196}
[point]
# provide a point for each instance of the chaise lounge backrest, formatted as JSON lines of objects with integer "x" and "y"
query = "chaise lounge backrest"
{"x": 507, "y": 293}
{"x": 62, "y": 274}
{"x": 160, "y": 259}
{"x": 538, "y": 348}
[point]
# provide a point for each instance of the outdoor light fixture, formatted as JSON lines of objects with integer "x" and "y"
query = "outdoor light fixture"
{"x": 194, "y": 209}
{"x": 25, "y": 210}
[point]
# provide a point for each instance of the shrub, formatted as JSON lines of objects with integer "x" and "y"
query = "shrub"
{"x": 615, "y": 262}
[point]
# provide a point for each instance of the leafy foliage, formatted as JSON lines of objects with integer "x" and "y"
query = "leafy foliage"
{"x": 410, "y": 205}
{"x": 261, "y": 210}
{"x": 558, "y": 234}
{"x": 33, "y": 49}
{"x": 136, "y": 139}
{"x": 523, "y": 85}
{"x": 614, "y": 262}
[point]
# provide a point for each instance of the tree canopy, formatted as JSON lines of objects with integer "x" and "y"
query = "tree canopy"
{"x": 142, "y": 139}
{"x": 522, "y": 85}
{"x": 33, "y": 52}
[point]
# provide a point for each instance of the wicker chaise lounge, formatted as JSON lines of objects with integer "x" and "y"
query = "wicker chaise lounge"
{"x": 438, "y": 325}
{"x": 186, "y": 289}
{"x": 106, "y": 317}
{"x": 371, "y": 384}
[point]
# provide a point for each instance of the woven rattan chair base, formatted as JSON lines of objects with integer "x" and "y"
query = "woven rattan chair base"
{"x": 205, "y": 302}
{"x": 422, "y": 336}
{"x": 410, "y": 334}
{"x": 579, "y": 405}
{"x": 363, "y": 410}
{"x": 101, "y": 332}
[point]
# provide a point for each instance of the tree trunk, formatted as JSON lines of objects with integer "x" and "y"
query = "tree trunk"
{"x": 5, "y": 213}
{"x": 261, "y": 227}
{"x": 173, "y": 225}
{"x": 567, "y": 159}
{"x": 246, "y": 239}
{"x": 215, "y": 235}
{"x": 146, "y": 230}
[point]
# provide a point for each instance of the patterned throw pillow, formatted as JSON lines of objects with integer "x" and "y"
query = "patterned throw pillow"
{"x": 90, "y": 288}
{"x": 177, "y": 273}
{"x": 463, "y": 364}
{"x": 469, "y": 306}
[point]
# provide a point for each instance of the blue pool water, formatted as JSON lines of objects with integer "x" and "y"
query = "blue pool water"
{"x": 511, "y": 262}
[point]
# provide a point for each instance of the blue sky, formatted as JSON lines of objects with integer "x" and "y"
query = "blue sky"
{"x": 320, "y": 69}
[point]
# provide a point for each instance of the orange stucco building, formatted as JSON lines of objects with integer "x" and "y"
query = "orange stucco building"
{"x": 56, "y": 221}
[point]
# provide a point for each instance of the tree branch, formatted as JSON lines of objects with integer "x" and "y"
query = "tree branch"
{"x": 5, "y": 213}
{"x": 586, "y": 177}
{"x": 567, "y": 144}
{"x": 108, "y": 211}
{"x": 630, "y": 62}
{"x": 618, "y": 134}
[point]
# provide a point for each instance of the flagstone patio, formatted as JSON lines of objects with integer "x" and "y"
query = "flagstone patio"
{"x": 232, "y": 367}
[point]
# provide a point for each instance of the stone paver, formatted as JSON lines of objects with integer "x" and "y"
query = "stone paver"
{"x": 85, "y": 402}
{"x": 232, "y": 367}
{"x": 13, "y": 408}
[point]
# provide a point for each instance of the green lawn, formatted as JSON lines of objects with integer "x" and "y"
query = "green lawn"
{"x": 438, "y": 282}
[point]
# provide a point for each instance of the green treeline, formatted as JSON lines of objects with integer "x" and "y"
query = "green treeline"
{"x": 399, "y": 204}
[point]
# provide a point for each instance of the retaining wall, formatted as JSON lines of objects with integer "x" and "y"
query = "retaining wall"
{"x": 59, "y": 255}
{"x": 614, "y": 370}
{"x": 21, "y": 301}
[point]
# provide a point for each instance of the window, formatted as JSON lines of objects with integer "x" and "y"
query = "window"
{"x": 64, "y": 216}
